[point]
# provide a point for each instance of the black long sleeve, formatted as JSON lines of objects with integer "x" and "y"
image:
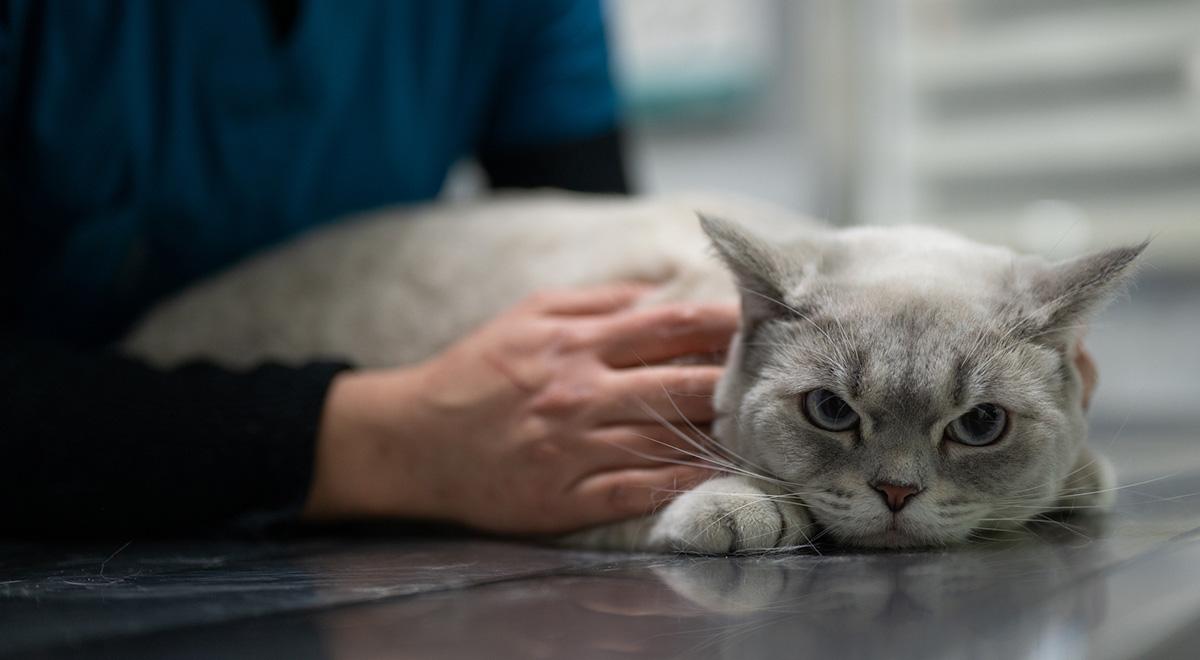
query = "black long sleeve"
{"x": 95, "y": 443}
{"x": 594, "y": 165}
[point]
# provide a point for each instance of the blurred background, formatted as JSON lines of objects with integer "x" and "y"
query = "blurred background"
{"x": 1054, "y": 126}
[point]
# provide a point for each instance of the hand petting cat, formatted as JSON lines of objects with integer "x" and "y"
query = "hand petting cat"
{"x": 540, "y": 422}
{"x": 539, "y": 415}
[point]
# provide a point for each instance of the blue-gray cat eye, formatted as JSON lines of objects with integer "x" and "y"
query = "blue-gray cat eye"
{"x": 982, "y": 425}
{"x": 828, "y": 411}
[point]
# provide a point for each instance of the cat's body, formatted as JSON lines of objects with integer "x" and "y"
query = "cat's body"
{"x": 913, "y": 329}
{"x": 395, "y": 286}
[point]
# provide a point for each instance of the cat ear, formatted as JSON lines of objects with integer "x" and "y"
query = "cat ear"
{"x": 761, "y": 271}
{"x": 1069, "y": 292}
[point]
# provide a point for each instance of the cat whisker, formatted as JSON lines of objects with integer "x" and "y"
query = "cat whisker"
{"x": 1121, "y": 487}
{"x": 708, "y": 451}
{"x": 1035, "y": 507}
{"x": 731, "y": 455}
{"x": 700, "y": 461}
{"x": 1041, "y": 520}
{"x": 704, "y": 461}
{"x": 990, "y": 534}
{"x": 1062, "y": 479}
{"x": 758, "y": 497}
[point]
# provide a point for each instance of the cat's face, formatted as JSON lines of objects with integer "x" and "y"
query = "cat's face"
{"x": 913, "y": 387}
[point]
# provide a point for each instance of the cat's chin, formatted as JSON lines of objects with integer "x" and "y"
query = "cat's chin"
{"x": 894, "y": 535}
{"x": 893, "y": 539}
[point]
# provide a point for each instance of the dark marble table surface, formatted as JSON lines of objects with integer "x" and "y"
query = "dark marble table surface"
{"x": 1122, "y": 586}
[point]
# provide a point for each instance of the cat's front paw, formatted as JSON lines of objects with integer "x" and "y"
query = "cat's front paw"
{"x": 729, "y": 515}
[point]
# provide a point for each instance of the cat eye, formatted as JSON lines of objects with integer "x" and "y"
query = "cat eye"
{"x": 982, "y": 425}
{"x": 829, "y": 411}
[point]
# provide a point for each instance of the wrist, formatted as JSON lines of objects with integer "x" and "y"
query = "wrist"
{"x": 369, "y": 461}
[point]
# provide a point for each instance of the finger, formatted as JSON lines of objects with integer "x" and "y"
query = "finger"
{"x": 1087, "y": 372}
{"x": 657, "y": 334}
{"x": 653, "y": 394}
{"x": 616, "y": 495}
{"x": 589, "y": 300}
{"x": 646, "y": 445}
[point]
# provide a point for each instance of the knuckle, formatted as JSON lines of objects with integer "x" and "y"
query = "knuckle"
{"x": 687, "y": 384}
{"x": 565, "y": 336}
{"x": 544, "y": 452}
{"x": 707, "y": 380}
{"x": 535, "y": 429}
{"x": 695, "y": 383}
{"x": 679, "y": 316}
{"x": 540, "y": 299}
{"x": 561, "y": 397}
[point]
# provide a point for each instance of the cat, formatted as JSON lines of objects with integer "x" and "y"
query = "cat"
{"x": 889, "y": 387}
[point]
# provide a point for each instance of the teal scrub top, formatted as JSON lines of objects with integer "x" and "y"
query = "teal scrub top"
{"x": 147, "y": 143}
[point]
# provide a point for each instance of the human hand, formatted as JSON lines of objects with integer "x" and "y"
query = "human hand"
{"x": 538, "y": 422}
{"x": 1087, "y": 372}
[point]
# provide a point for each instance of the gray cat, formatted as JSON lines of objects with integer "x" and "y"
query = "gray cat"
{"x": 889, "y": 387}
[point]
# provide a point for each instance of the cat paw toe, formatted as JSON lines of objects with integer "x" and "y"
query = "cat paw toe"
{"x": 741, "y": 521}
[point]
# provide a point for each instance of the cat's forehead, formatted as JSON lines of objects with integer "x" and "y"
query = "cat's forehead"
{"x": 907, "y": 354}
{"x": 922, "y": 353}
{"x": 934, "y": 265}
{"x": 910, "y": 333}
{"x": 909, "y": 315}
{"x": 906, "y": 317}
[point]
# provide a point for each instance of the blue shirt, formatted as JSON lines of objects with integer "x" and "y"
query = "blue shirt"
{"x": 148, "y": 143}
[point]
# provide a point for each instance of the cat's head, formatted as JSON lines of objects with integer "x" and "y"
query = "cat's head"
{"x": 913, "y": 386}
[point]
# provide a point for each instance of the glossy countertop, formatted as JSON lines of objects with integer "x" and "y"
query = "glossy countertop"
{"x": 1125, "y": 585}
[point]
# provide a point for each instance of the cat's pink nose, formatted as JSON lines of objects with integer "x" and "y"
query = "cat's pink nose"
{"x": 896, "y": 495}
